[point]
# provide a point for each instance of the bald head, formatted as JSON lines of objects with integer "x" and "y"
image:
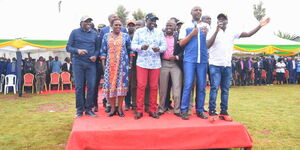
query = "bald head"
{"x": 206, "y": 19}
{"x": 196, "y": 13}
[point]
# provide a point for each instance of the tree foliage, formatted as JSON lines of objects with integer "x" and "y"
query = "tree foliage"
{"x": 122, "y": 13}
{"x": 259, "y": 12}
{"x": 285, "y": 35}
{"x": 138, "y": 15}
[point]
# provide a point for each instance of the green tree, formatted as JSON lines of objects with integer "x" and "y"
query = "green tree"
{"x": 122, "y": 13}
{"x": 259, "y": 12}
{"x": 285, "y": 35}
{"x": 138, "y": 15}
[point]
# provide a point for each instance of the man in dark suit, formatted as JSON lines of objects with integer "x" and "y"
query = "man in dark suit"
{"x": 67, "y": 66}
{"x": 240, "y": 68}
{"x": 49, "y": 69}
{"x": 258, "y": 66}
{"x": 269, "y": 67}
{"x": 248, "y": 71}
{"x": 103, "y": 31}
{"x": 292, "y": 68}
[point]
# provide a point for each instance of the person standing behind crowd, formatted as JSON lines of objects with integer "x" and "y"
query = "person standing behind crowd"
{"x": 12, "y": 66}
{"x": 249, "y": 68}
{"x": 104, "y": 30}
{"x": 67, "y": 66}
{"x": 148, "y": 42}
{"x": 49, "y": 69}
{"x": 56, "y": 65}
{"x": 128, "y": 100}
{"x": 280, "y": 70}
{"x": 292, "y": 68}
{"x": 193, "y": 39}
{"x": 258, "y": 66}
{"x": 170, "y": 69}
{"x": 220, "y": 45}
{"x": 269, "y": 67}
{"x": 115, "y": 60}
{"x": 298, "y": 71}
{"x": 40, "y": 69}
{"x": 28, "y": 65}
{"x": 83, "y": 44}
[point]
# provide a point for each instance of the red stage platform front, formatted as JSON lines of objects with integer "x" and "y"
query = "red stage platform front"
{"x": 168, "y": 132}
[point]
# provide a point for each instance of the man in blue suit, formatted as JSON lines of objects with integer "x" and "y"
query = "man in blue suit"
{"x": 292, "y": 68}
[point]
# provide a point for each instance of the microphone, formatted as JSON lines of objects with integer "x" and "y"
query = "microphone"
{"x": 195, "y": 24}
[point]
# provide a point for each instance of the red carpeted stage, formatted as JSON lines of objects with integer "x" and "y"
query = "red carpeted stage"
{"x": 168, "y": 132}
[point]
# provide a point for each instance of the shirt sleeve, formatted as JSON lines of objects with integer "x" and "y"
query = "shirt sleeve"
{"x": 182, "y": 33}
{"x": 70, "y": 43}
{"x": 135, "y": 44}
{"x": 163, "y": 43}
{"x": 237, "y": 35}
{"x": 103, "y": 50}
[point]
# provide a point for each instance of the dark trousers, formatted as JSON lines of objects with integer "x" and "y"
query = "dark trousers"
{"x": 292, "y": 76}
{"x": 257, "y": 77}
{"x": 248, "y": 77}
{"x": 269, "y": 77}
{"x": 84, "y": 73}
{"x": 98, "y": 74}
{"x": 242, "y": 80}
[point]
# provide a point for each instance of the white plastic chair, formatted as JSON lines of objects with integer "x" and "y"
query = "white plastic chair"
{"x": 2, "y": 77}
{"x": 10, "y": 81}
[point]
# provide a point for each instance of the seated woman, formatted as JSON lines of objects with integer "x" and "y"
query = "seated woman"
{"x": 114, "y": 56}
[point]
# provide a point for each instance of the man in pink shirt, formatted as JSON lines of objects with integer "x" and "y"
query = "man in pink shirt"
{"x": 170, "y": 68}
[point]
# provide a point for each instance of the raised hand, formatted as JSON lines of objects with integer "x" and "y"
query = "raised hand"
{"x": 264, "y": 22}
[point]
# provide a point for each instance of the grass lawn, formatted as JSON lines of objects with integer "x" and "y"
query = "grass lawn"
{"x": 35, "y": 122}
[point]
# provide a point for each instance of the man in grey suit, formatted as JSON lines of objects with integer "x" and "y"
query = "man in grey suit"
{"x": 40, "y": 75}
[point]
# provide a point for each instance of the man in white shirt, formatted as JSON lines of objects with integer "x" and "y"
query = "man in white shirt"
{"x": 220, "y": 44}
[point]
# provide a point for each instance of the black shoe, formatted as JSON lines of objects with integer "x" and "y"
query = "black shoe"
{"x": 126, "y": 108}
{"x": 185, "y": 116}
{"x": 201, "y": 115}
{"x": 108, "y": 108}
{"x": 160, "y": 113}
{"x": 96, "y": 109}
{"x": 224, "y": 112}
{"x": 90, "y": 113}
{"x": 138, "y": 115}
{"x": 110, "y": 114}
{"x": 212, "y": 113}
{"x": 120, "y": 113}
{"x": 78, "y": 115}
{"x": 178, "y": 114}
{"x": 153, "y": 115}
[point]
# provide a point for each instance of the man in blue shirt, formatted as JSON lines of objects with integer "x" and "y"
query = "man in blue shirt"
{"x": 83, "y": 43}
{"x": 193, "y": 38}
{"x": 56, "y": 65}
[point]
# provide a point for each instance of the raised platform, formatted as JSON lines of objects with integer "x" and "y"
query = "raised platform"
{"x": 168, "y": 132}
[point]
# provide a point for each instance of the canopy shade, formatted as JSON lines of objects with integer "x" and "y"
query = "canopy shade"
{"x": 267, "y": 43}
{"x": 14, "y": 45}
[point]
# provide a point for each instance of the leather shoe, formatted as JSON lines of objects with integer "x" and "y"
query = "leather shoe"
{"x": 90, "y": 113}
{"x": 160, "y": 113}
{"x": 185, "y": 116}
{"x": 108, "y": 108}
{"x": 177, "y": 114}
{"x": 110, "y": 114}
{"x": 138, "y": 115}
{"x": 78, "y": 115}
{"x": 120, "y": 113}
{"x": 127, "y": 108}
{"x": 96, "y": 109}
{"x": 153, "y": 115}
{"x": 201, "y": 115}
